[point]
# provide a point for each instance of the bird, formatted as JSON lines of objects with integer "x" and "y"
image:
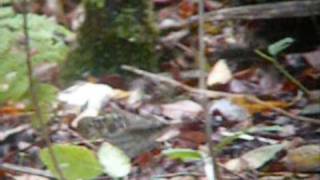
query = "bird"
{"x": 132, "y": 133}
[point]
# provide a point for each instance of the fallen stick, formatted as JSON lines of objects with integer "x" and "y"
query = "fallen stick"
{"x": 6, "y": 133}
{"x": 290, "y": 9}
{"x": 216, "y": 94}
{"x": 25, "y": 170}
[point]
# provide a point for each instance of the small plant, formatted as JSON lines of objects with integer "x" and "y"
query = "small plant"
{"x": 47, "y": 46}
{"x": 274, "y": 50}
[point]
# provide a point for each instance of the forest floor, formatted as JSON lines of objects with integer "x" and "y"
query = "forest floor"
{"x": 261, "y": 104}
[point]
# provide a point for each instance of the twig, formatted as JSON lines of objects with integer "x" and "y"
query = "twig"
{"x": 5, "y": 134}
{"x": 282, "y": 111}
{"x": 283, "y": 71}
{"x": 83, "y": 140}
{"x": 202, "y": 85}
{"x": 172, "y": 175}
{"x": 26, "y": 170}
{"x": 261, "y": 11}
{"x": 216, "y": 94}
{"x": 34, "y": 97}
{"x": 212, "y": 94}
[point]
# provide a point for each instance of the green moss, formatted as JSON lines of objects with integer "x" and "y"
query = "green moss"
{"x": 120, "y": 32}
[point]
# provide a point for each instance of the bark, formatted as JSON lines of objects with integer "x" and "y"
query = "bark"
{"x": 115, "y": 32}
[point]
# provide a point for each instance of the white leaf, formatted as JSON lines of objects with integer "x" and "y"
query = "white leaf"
{"x": 115, "y": 162}
{"x": 82, "y": 93}
{"x": 219, "y": 74}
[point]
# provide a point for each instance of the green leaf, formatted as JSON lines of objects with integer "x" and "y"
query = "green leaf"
{"x": 47, "y": 40}
{"x": 279, "y": 46}
{"x": 15, "y": 90}
{"x": 183, "y": 154}
{"x": 76, "y": 162}
{"x": 265, "y": 129}
{"x": 115, "y": 162}
{"x": 6, "y": 11}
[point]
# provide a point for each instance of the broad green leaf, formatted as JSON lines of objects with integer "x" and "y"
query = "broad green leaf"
{"x": 115, "y": 162}
{"x": 183, "y": 154}
{"x": 76, "y": 162}
{"x": 14, "y": 90}
{"x": 279, "y": 46}
{"x": 47, "y": 41}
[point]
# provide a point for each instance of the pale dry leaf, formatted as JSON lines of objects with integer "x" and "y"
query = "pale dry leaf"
{"x": 254, "y": 159}
{"x": 181, "y": 109}
{"x": 304, "y": 159}
{"x": 219, "y": 74}
{"x": 29, "y": 177}
{"x": 229, "y": 110}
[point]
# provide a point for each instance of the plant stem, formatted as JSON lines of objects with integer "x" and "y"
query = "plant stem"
{"x": 34, "y": 97}
{"x": 283, "y": 71}
{"x": 202, "y": 85}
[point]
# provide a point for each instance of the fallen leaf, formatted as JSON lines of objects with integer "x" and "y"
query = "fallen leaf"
{"x": 11, "y": 111}
{"x": 6, "y": 133}
{"x": 198, "y": 137}
{"x": 187, "y": 8}
{"x": 254, "y": 159}
{"x": 311, "y": 109}
{"x": 115, "y": 162}
{"x": 313, "y": 59}
{"x": 29, "y": 177}
{"x": 76, "y": 162}
{"x": 219, "y": 74}
{"x": 304, "y": 159}
{"x": 230, "y": 110}
{"x": 183, "y": 154}
{"x": 181, "y": 109}
{"x": 144, "y": 159}
{"x": 256, "y": 108}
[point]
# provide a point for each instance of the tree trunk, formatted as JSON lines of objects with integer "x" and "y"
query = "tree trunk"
{"x": 114, "y": 32}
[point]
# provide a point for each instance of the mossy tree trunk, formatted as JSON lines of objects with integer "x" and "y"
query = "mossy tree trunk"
{"x": 114, "y": 32}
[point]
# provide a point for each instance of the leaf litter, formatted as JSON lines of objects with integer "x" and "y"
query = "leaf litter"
{"x": 243, "y": 152}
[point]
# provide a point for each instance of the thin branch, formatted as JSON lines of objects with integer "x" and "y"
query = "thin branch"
{"x": 34, "y": 97}
{"x": 25, "y": 170}
{"x": 290, "y": 9}
{"x": 178, "y": 174}
{"x": 282, "y": 111}
{"x": 6, "y": 133}
{"x": 217, "y": 94}
{"x": 172, "y": 82}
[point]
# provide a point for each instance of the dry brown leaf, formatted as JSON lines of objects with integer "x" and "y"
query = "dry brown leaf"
{"x": 11, "y": 111}
{"x": 256, "y": 108}
{"x": 198, "y": 137}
